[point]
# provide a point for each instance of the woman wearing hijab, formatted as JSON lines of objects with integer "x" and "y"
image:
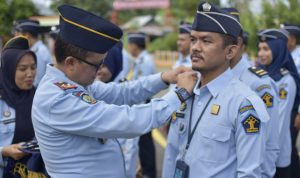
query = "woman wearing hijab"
{"x": 112, "y": 64}
{"x": 17, "y": 73}
{"x": 277, "y": 61}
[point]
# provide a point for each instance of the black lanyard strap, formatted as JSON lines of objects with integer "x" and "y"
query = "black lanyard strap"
{"x": 191, "y": 134}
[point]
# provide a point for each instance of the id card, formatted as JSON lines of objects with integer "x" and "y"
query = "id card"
{"x": 181, "y": 170}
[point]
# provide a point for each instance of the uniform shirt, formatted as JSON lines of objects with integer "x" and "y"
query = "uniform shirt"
{"x": 183, "y": 61}
{"x": 76, "y": 133}
{"x": 125, "y": 66}
{"x": 223, "y": 145}
{"x": 7, "y": 129}
{"x": 143, "y": 65}
{"x": 265, "y": 88}
{"x": 43, "y": 57}
{"x": 287, "y": 93}
{"x": 296, "y": 56}
{"x": 246, "y": 57}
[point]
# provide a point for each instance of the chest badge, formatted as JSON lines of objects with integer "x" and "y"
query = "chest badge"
{"x": 6, "y": 113}
{"x": 282, "y": 93}
{"x": 215, "y": 109}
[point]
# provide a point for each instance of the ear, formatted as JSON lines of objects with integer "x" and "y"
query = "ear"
{"x": 231, "y": 51}
{"x": 70, "y": 63}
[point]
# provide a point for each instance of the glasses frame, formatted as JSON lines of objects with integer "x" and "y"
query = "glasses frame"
{"x": 89, "y": 63}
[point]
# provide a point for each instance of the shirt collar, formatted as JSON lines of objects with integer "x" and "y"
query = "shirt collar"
{"x": 35, "y": 46}
{"x": 140, "y": 56}
{"x": 60, "y": 75}
{"x": 216, "y": 85}
{"x": 240, "y": 67}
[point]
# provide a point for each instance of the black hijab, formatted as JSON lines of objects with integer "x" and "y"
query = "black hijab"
{"x": 20, "y": 100}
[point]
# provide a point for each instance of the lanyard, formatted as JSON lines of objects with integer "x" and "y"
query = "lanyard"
{"x": 191, "y": 134}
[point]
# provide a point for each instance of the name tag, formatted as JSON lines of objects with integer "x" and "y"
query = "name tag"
{"x": 181, "y": 170}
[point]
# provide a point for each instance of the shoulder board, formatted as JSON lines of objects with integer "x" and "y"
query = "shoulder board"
{"x": 284, "y": 71}
{"x": 258, "y": 71}
{"x": 65, "y": 86}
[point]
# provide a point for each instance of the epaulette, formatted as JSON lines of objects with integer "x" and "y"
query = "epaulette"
{"x": 258, "y": 71}
{"x": 284, "y": 71}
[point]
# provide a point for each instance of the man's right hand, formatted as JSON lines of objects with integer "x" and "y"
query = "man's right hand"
{"x": 13, "y": 151}
{"x": 187, "y": 80}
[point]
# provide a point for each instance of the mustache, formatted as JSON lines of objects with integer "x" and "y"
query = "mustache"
{"x": 197, "y": 55}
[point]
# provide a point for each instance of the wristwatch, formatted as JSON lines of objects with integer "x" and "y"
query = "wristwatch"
{"x": 182, "y": 94}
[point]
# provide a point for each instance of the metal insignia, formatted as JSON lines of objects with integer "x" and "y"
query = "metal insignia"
{"x": 6, "y": 113}
{"x": 206, "y": 7}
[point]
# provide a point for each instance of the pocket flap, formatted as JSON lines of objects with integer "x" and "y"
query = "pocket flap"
{"x": 218, "y": 133}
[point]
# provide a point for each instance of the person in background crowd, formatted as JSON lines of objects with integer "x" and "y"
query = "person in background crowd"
{"x": 294, "y": 33}
{"x": 17, "y": 72}
{"x": 31, "y": 29}
{"x": 276, "y": 59}
{"x": 258, "y": 81}
{"x": 143, "y": 66}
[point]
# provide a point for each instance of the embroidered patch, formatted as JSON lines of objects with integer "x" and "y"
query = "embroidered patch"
{"x": 251, "y": 124}
{"x": 215, "y": 109}
{"x": 65, "y": 86}
{"x": 245, "y": 108}
{"x": 282, "y": 93}
{"x": 263, "y": 87}
{"x": 85, "y": 97}
{"x": 268, "y": 99}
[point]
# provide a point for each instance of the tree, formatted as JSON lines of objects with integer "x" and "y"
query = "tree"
{"x": 13, "y": 10}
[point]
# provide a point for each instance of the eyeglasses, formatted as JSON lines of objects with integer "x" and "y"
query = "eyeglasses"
{"x": 89, "y": 63}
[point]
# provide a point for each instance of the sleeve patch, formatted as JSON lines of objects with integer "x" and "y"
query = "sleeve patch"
{"x": 246, "y": 108}
{"x": 268, "y": 99}
{"x": 251, "y": 124}
{"x": 282, "y": 93}
{"x": 85, "y": 97}
{"x": 65, "y": 86}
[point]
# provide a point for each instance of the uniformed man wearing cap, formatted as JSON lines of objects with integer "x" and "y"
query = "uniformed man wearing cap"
{"x": 259, "y": 81}
{"x": 76, "y": 120}
{"x": 294, "y": 33}
{"x": 143, "y": 66}
{"x": 31, "y": 29}
{"x": 221, "y": 130}
{"x": 183, "y": 45}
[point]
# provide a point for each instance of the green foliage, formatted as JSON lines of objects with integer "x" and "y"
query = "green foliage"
{"x": 167, "y": 42}
{"x": 98, "y": 7}
{"x": 15, "y": 9}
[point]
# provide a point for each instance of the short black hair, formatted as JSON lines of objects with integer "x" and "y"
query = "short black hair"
{"x": 64, "y": 49}
{"x": 141, "y": 46}
{"x": 228, "y": 40}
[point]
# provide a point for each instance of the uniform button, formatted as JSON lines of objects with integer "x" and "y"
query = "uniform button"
{"x": 199, "y": 103}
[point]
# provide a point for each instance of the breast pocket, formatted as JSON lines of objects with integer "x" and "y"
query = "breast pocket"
{"x": 214, "y": 143}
